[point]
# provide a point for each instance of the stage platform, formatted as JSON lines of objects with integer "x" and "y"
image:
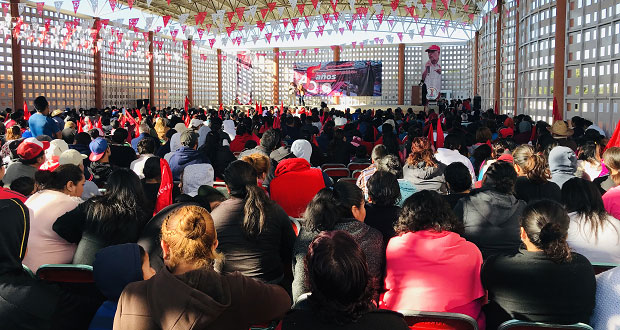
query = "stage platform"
{"x": 404, "y": 107}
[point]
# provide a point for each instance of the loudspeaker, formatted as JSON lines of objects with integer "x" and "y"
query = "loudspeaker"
{"x": 477, "y": 102}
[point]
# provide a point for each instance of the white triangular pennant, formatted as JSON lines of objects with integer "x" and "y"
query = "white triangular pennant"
{"x": 280, "y": 11}
{"x": 183, "y": 18}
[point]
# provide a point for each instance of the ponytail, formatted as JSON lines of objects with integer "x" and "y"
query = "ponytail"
{"x": 256, "y": 202}
{"x": 58, "y": 179}
{"x": 240, "y": 179}
{"x": 552, "y": 241}
{"x": 534, "y": 165}
{"x": 546, "y": 225}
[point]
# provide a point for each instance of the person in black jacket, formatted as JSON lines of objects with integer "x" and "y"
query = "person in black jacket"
{"x": 341, "y": 292}
{"x": 491, "y": 214}
{"x": 545, "y": 282}
{"x": 26, "y": 302}
{"x": 115, "y": 217}
{"x": 381, "y": 211}
{"x": 339, "y": 150}
{"x": 533, "y": 176}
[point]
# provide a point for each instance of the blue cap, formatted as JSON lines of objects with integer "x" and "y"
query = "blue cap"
{"x": 97, "y": 149}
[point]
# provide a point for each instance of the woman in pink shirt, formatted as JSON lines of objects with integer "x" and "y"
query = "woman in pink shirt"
{"x": 429, "y": 266}
{"x": 60, "y": 193}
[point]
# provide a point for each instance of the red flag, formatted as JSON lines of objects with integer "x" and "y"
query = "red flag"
{"x": 80, "y": 128}
{"x": 164, "y": 195}
{"x": 614, "y": 141}
{"x": 99, "y": 125}
{"x": 557, "y": 114}
{"x": 188, "y": 119}
{"x": 26, "y": 112}
{"x": 139, "y": 117}
{"x": 430, "y": 135}
{"x": 148, "y": 108}
{"x": 221, "y": 107}
{"x": 186, "y": 105}
{"x": 281, "y": 108}
{"x": 439, "y": 143}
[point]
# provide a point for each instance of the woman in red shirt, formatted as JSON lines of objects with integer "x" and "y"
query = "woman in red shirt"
{"x": 429, "y": 266}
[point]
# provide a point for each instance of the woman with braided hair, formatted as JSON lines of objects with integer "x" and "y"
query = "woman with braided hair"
{"x": 188, "y": 293}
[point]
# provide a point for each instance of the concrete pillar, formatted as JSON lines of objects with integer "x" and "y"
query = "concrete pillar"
{"x": 498, "y": 59}
{"x": 276, "y": 76}
{"x": 190, "y": 84}
{"x": 151, "y": 71}
{"x": 336, "y": 51}
{"x": 97, "y": 73}
{"x": 476, "y": 56}
{"x": 18, "y": 78}
{"x": 219, "y": 76}
{"x": 401, "y": 73}
{"x": 516, "y": 87}
{"x": 560, "y": 51}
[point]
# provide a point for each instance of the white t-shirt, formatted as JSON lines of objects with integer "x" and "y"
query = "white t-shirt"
{"x": 138, "y": 165}
{"x": 44, "y": 245}
{"x": 448, "y": 156}
{"x": 604, "y": 249}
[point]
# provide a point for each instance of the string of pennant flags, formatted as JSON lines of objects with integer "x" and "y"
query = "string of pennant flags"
{"x": 239, "y": 27}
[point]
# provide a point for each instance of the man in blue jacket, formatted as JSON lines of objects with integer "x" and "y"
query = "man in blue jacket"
{"x": 186, "y": 155}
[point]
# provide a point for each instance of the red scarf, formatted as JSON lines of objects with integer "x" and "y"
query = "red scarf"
{"x": 164, "y": 195}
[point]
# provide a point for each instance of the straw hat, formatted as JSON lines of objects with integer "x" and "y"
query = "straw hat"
{"x": 560, "y": 128}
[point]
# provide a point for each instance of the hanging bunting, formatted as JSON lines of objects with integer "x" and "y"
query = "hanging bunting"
{"x": 166, "y": 20}
{"x": 112, "y": 4}
{"x": 133, "y": 22}
{"x": 57, "y": 5}
{"x": 183, "y": 18}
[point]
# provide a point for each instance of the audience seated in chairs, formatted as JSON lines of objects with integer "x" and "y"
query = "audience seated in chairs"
{"x": 341, "y": 290}
{"x": 429, "y": 266}
{"x": 339, "y": 208}
{"x": 188, "y": 293}
{"x": 545, "y": 282}
{"x": 255, "y": 234}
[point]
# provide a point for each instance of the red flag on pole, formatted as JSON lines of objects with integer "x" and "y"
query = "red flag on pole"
{"x": 186, "y": 105}
{"x": 26, "y": 112}
{"x": 139, "y": 117}
{"x": 281, "y": 108}
{"x": 99, "y": 125}
{"x": 164, "y": 195}
{"x": 614, "y": 141}
{"x": 80, "y": 127}
{"x": 430, "y": 135}
{"x": 439, "y": 143}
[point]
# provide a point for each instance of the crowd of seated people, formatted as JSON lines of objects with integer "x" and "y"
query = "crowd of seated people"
{"x": 228, "y": 218}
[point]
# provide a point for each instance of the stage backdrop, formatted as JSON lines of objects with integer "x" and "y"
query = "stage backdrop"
{"x": 342, "y": 78}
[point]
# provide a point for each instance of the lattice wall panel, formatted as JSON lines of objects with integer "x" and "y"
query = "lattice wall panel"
{"x": 229, "y": 77}
{"x": 486, "y": 62}
{"x": 125, "y": 69}
{"x": 509, "y": 26}
{"x": 536, "y": 58}
{"x": 170, "y": 75}
{"x": 6, "y": 75}
{"x": 262, "y": 70}
{"x": 64, "y": 74}
{"x": 414, "y": 56}
{"x": 456, "y": 70}
{"x": 593, "y": 62}
{"x": 204, "y": 77}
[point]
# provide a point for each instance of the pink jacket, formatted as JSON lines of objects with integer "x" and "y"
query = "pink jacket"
{"x": 433, "y": 271}
{"x": 611, "y": 199}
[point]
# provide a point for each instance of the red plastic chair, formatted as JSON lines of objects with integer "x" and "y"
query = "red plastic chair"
{"x": 351, "y": 180}
{"x": 357, "y": 166}
{"x": 336, "y": 173}
{"x": 417, "y": 320}
{"x": 356, "y": 174}
{"x": 326, "y": 166}
{"x": 523, "y": 325}
{"x": 66, "y": 273}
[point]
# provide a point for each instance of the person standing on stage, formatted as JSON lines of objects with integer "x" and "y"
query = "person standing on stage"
{"x": 432, "y": 73}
